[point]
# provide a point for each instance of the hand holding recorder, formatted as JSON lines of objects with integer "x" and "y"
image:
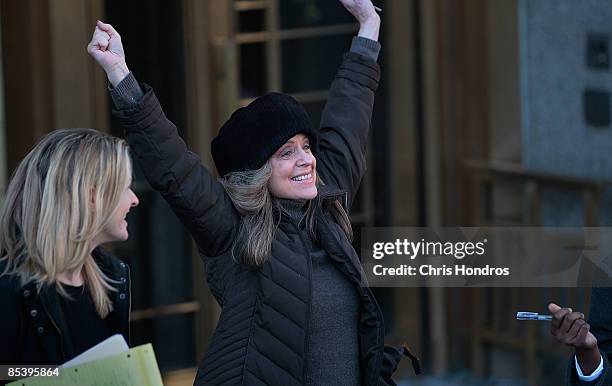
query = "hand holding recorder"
{"x": 570, "y": 327}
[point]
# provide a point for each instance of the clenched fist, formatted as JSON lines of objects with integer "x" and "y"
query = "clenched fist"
{"x": 364, "y": 12}
{"x": 106, "y": 48}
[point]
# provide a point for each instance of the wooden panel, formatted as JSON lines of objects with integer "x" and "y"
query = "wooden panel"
{"x": 504, "y": 81}
{"x": 27, "y": 74}
{"x": 399, "y": 70}
{"x": 49, "y": 76}
{"x": 399, "y": 44}
{"x": 200, "y": 132}
{"x": 100, "y": 104}
{"x": 464, "y": 98}
{"x": 70, "y": 64}
{"x": 432, "y": 109}
{"x": 224, "y": 59}
{"x": 273, "y": 52}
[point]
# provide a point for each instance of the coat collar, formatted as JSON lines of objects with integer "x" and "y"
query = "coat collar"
{"x": 50, "y": 301}
{"x": 327, "y": 194}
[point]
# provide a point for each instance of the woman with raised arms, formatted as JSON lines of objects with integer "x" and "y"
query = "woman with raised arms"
{"x": 273, "y": 229}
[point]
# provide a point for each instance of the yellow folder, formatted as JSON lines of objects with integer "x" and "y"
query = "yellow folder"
{"x": 135, "y": 367}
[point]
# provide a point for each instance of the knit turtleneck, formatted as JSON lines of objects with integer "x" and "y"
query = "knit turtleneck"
{"x": 295, "y": 209}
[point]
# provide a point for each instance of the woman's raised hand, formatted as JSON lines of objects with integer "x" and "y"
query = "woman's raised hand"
{"x": 106, "y": 48}
{"x": 364, "y": 12}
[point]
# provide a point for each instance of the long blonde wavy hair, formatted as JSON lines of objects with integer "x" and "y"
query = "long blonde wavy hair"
{"x": 261, "y": 213}
{"x": 59, "y": 199}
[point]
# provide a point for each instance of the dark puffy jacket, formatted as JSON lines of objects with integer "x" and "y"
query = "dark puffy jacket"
{"x": 261, "y": 337}
{"x": 33, "y": 330}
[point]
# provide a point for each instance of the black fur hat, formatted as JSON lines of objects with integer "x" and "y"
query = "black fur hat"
{"x": 255, "y": 132}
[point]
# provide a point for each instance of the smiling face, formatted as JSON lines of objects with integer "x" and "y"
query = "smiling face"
{"x": 294, "y": 171}
{"x": 116, "y": 227}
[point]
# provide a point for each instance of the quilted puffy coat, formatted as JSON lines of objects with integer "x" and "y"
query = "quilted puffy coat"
{"x": 261, "y": 337}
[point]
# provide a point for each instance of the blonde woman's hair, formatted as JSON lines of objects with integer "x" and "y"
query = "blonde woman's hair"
{"x": 261, "y": 213}
{"x": 59, "y": 198}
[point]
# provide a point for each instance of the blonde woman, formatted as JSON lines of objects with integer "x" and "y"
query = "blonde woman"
{"x": 59, "y": 292}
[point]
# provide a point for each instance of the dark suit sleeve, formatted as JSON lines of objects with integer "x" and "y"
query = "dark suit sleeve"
{"x": 600, "y": 319}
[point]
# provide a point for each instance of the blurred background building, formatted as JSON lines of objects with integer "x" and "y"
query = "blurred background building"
{"x": 490, "y": 112}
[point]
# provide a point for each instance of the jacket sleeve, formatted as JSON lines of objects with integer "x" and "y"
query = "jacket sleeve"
{"x": 11, "y": 324}
{"x": 600, "y": 319}
{"x": 345, "y": 123}
{"x": 196, "y": 197}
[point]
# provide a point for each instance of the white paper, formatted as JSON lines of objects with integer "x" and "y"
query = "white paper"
{"x": 114, "y": 345}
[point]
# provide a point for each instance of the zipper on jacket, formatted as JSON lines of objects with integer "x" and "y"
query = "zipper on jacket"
{"x": 42, "y": 301}
{"x": 307, "y": 329}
